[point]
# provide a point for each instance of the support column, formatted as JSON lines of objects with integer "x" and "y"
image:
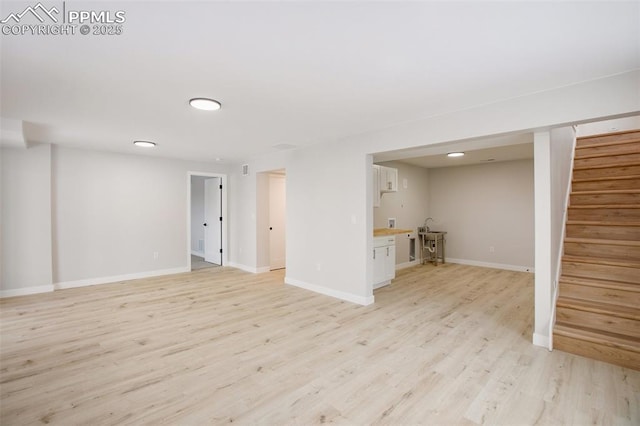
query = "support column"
{"x": 543, "y": 249}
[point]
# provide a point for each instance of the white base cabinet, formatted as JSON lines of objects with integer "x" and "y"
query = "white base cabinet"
{"x": 384, "y": 260}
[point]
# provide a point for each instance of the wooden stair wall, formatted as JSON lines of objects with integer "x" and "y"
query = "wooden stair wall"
{"x": 598, "y": 307}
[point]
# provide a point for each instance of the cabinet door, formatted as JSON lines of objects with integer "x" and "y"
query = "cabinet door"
{"x": 388, "y": 179}
{"x": 392, "y": 179}
{"x": 376, "y": 186}
{"x": 379, "y": 264}
{"x": 390, "y": 262}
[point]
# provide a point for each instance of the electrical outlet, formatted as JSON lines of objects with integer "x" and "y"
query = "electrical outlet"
{"x": 492, "y": 249}
{"x": 156, "y": 255}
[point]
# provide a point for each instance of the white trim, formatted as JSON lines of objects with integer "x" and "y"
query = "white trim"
{"x": 540, "y": 340}
{"x": 26, "y": 291}
{"x": 492, "y": 265}
{"x": 197, "y": 253}
{"x": 117, "y": 278}
{"x": 407, "y": 264}
{"x": 360, "y": 300}
{"x": 251, "y": 269}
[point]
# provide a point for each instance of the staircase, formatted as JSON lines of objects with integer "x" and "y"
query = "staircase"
{"x": 598, "y": 308}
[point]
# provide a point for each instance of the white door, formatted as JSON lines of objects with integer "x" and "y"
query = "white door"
{"x": 277, "y": 222}
{"x": 212, "y": 222}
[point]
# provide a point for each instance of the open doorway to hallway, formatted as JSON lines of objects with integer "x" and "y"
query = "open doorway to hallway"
{"x": 206, "y": 221}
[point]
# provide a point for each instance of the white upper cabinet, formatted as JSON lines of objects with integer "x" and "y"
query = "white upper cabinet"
{"x": 385, "y": 179}
{"x": 376, "y": 185}
{"x": 388, "y": 179}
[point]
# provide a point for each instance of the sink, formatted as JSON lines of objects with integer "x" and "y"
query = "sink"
{"x": 432, "y": 235}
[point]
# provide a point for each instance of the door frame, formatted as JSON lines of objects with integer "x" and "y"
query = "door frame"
{"x": 225, "y": 219}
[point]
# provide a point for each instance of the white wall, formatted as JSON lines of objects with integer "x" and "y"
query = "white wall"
{"x": 197, "y": 213}
{"x": 329, "y": 216}
{"x": 76, "y": 217}
{"x": 112, "y": 212}
{"x": 26, "y": 220}
{"x": 485, "y": 206}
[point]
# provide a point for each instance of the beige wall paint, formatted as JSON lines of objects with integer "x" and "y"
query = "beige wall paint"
{"x": 485, "y": 206}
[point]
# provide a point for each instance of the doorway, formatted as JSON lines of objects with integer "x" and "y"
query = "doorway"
{"x": 277, "y": 221}
{"x": 271, "y": 220}
{"x": 206, "y": 220}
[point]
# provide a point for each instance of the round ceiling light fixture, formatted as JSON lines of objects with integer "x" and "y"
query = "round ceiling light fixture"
{"x": 205, "y": 104}
{"x": 455, "y": 154}
{"x": 144, "y": 144}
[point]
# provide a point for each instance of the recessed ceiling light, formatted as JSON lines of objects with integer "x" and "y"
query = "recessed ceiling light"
{"x": 144, "y": 144}
{"x": 205, "y": 104}
{"x": 455, "y": 154}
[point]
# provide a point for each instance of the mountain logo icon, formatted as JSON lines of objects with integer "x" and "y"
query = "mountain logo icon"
{"x": 39, "y": 11}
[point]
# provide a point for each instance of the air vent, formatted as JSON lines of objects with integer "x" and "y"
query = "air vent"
{"x": 245, "y": 170}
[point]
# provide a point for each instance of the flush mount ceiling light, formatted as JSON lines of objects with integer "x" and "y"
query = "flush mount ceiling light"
{"x": 455, "y": 154}
{"x": 144, "y": 144}
{"x": 205, "y": 104}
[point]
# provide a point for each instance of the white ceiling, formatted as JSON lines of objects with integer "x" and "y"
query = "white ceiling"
{"x": 297, "y": 73}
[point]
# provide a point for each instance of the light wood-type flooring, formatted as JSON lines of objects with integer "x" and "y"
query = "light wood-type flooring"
{"x": 445, "y": 345}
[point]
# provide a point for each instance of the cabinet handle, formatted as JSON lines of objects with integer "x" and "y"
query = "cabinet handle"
{"x": 387, "y": 251}
{"x": 374, "y": 254}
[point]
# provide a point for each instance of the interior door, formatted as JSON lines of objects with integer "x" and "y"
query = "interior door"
{"x": 212, "y": 224}
{"x": 277, "y": 221}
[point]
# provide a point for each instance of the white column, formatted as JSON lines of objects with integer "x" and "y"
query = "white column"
{"x": 543, "y": 249}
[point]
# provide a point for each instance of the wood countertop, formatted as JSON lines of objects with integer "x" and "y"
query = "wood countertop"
{"x": 383, "y": 232}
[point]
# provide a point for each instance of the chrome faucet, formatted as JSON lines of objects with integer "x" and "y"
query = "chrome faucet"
{"x": 425, "y": 223}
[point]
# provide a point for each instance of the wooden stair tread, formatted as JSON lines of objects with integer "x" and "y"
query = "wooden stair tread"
{"x": 607, "y": 165}
{"x": 607, "y": 191}
{"x": 600, "y": 337}
{"x": 603, "y": 144}
{"x": 631, "y": 243}
{"x": 599, "y": 261}
{"x": 602, "y": 154}
{"x": 605, "y": 206}
{"x": 594, "y": 282}
{"x": 609, "y": 134}
{"x": 605, "y": 178}
{"x": 601, "y": 223}
{"x": 609, "y": 309}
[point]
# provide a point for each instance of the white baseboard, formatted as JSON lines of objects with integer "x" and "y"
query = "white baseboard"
{"x": 26, "y": 291}
{"x": 117, "y": 278}
{"x": 407, "y": 264}
{"x": 492, "y": 265}
{"x": 252, "y": 269}
{"x": 541, "y": 340}
{"x": 197, "y": 253}
{"x": 360, "y": 300}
